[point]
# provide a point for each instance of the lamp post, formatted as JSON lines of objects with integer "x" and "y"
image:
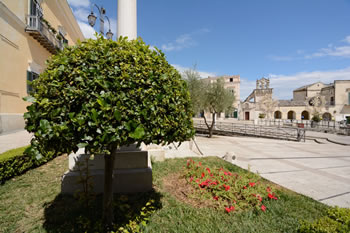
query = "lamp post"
{"x": 92, "y": 20}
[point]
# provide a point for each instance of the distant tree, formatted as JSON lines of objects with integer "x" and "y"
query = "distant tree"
{"x": 216, "y": 99}
{"x": 195, "y": 87}
{"x": 101, "y": 95}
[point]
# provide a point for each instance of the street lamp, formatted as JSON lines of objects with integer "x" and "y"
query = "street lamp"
{"x": 92, "y": 20}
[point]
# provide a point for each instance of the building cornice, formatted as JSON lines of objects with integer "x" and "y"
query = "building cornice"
{"x": 6, "y": 11}
{"x": 64, "y": 7}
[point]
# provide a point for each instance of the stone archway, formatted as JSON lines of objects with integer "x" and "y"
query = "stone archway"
{"x": 291, "y": 115}
{"x": 305, "y": 115}
{"x": 278, "y": 115}
{"x": 326, "y": 116}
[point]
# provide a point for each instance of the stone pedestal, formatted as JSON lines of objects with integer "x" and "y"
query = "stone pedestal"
{"x": 132, "y": 172}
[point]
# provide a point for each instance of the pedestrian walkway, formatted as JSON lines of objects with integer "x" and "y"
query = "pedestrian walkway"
{"x": 332, "y": 138}
{"x": 14, "y": 140}
{"x": 320, "y": 171}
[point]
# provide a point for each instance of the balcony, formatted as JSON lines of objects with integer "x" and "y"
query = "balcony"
{"x": 41, "y": 32}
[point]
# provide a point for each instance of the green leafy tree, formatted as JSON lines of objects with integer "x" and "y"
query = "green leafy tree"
{"x": 216, "y": 99}
{"x": 195, "y": 87}
{"x": 101, "y": 95}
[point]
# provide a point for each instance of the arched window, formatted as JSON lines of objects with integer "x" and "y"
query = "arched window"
{"x": 278, "y": 115}
{"x": 305, "y": 115}
{"x": 326, "y": 116}
{"x": 291, "y": 115}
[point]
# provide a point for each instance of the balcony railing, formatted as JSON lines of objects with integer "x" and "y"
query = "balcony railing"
{"x": 40, "y": 32}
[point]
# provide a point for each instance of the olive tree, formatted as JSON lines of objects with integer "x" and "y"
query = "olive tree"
{"x": 216, "y": 99}
{"x": 195, "y": 87}
{"x": 101, "y": 95}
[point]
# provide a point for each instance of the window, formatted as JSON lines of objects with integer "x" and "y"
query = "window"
{"x": 332, "y": 101}
{"x": 31, "y": 76}
{"x": 35, "y": 8}
{"x": 231, "y": 80}
{"x": 349, "y": 98}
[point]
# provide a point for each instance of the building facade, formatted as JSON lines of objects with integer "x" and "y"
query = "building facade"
{"x": 30, "y": 32}
{"x": 232, "y": 83}
{"x": 329, "y": 101}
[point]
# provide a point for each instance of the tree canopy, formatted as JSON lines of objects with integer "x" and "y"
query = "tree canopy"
{"x": 101, "y": 93}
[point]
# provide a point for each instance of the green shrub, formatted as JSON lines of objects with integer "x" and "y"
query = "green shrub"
{"x": 336, "y": 220}
{"x": 15, "y": 162}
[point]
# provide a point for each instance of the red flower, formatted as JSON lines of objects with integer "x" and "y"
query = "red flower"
{"x": 200, "y": 164}
{"x": 229, "y": 209}
{"x": 268, "y": 189}
{"x": 259, "y": 197}
{"x": 227, "y": 187}
{"x": 216, "y": 198}
{"x": 263, "y": 208}
{"x": 225, "y": 173}
{"x": 229, "y": 173}
{"x": 271, "y": 196}
{"x": 191, "y": 178}
{"x": 208, "y": 170}
{"x": 245, "y": 187}
{"x": 251, "y": 184}
{"x": 197, "y": 181}
{"x": 203, "y": 174}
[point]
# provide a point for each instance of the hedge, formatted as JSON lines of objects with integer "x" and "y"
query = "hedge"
{"x": 15, "y": 162}
{"x": 337, "y": 220}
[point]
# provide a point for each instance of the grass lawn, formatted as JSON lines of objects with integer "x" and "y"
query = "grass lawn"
{"x": 33, "y": 203}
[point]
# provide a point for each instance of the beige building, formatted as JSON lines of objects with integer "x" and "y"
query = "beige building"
{"x": 30, "y": 32}
{"x": 232, "y": 83}
{"x": 330, "y": 101}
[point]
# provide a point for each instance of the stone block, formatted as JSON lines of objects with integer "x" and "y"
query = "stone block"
{"x": 123, "y": 160}
{"x": 156, "y": 155}
{"x": 125, "y": 181}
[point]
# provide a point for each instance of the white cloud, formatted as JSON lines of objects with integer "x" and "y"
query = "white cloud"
{"x": 87, "y": 30}
{"x": 285, "y": 84}
{"x": 330, "y": 51}
{"x": 183, "y": 41}
{"x": 81, "y": 14}
{"x": 347, "y": 39}
{"x": 79, "y": 3}
{"x": 202, "y": 74}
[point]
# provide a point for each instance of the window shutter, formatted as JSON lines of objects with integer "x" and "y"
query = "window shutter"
{"x": 29, "y": 79}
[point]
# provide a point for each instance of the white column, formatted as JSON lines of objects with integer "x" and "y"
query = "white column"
{"x": 127, "y": 19}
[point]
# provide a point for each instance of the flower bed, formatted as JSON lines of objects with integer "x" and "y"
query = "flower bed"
{"x": 229, "y": 191}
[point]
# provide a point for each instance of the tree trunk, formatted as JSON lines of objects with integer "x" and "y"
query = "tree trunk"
{"x": 210, "y": 128}
{"x": 108, "y": 217}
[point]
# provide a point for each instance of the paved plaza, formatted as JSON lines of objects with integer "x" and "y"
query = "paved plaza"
{"x": 320, "y": 171}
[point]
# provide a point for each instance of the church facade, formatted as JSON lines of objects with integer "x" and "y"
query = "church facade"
{"x": 329, "y": 101}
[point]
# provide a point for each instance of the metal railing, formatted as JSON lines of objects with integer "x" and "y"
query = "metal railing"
{"x": 226, "y": 128}
{"x": 34, "y": 23}
{"x": 338, "y": 127}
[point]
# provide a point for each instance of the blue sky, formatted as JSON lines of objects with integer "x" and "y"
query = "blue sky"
{"x": 293, "y": 42}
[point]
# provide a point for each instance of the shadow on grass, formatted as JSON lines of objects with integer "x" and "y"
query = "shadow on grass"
{"x": 67, "y": 214}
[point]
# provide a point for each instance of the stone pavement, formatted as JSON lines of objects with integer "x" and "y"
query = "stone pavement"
{"x": 320, "y": 171}
{"x": 14, "y": 140}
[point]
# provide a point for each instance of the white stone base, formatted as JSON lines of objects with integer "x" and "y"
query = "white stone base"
{"x": 132, "y": 172}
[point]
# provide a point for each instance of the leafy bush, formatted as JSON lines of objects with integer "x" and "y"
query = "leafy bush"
{"x": 229, "y": 191}
{"x": 101, "y": 95}
{"x": 336, "y": 220}
{"x": 262, "y": 115}
{"x": 15, "y": 162}
{"x": 316, "y": 117}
